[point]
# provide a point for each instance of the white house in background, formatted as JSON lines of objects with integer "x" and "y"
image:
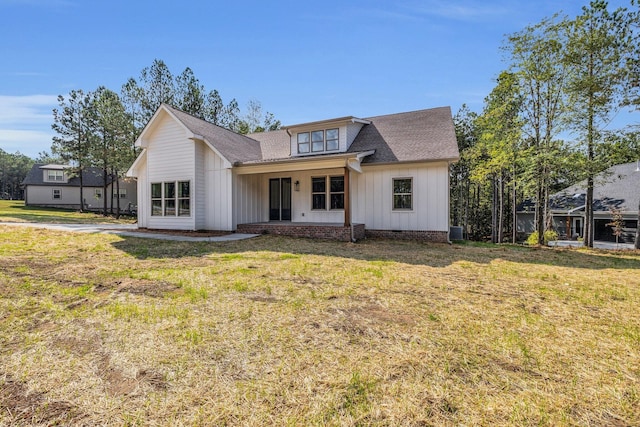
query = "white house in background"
{"x": 53, "y": 186}
{"x": 338, "y": 178}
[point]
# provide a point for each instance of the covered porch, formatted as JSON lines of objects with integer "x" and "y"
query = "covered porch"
{"x": 302, "y": 197}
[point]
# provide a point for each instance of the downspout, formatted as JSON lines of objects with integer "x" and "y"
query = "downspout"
{"x": 353, "y": 237}
{"x": 449, "y": 203}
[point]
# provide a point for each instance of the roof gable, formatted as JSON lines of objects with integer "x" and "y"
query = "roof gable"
{"x": 232, "y": 146}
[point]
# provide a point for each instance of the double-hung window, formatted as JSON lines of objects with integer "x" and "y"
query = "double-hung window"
{"x": 303, "y": 143}
{"x": 57, "y": 194}
{"x": 172, "y": 198}
{"x": 55, "y": 175}
{"x": 336, "y": 192}
{"x": 319, "y": 192}
{"x": 122, "y": 194}
{"x": 402, "y": 193}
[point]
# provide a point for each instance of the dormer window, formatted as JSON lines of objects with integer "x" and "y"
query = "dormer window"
{"x": 318, "y": 141}
{"x": 55, "y": 175}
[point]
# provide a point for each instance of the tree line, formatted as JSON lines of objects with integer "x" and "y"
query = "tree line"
{"x": 99, "y": 128}
{"x": 547, "y": 122}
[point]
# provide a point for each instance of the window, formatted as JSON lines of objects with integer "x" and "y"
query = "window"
{"x": 170, "y": 198}
{"x": 318, "y": 141}
{"x": 55, "y": 175}
{"x": 97, "y": 193}
{"x": 319, "y": 193}
{"x": 122, "y": 193}
{"x": 336, "y": 190}
{"x": 184, "y": 204}
{"x": 156, "y": 199}
{"x": 57, "y": 194}
{"x": 402, "y": 193}
{"x": 303, "y": 142}
{"x": 332, "y": 139}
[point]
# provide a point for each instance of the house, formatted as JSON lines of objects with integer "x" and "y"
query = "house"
{"x": 55, "y": 186}
{"x": 340, "y": 178}
{"x": 618, "y": 187}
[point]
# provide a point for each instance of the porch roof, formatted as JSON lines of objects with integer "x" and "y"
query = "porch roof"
{"x": 288, "y": 164}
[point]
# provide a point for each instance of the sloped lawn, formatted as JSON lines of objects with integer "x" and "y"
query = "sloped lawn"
{"x": 101, "y": 329}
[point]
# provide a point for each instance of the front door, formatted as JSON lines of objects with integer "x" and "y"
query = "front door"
{"x": 280, "y": 199}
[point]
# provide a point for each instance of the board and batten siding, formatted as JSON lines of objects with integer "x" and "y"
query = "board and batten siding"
{"x": 198, "y": 192}
{"x": 144, "y": 195}
{"x": 170, "y": 158}
{"x": 372, "y": 197}
{"x": 247, "y": 199}
{"x": 218, "y": 195}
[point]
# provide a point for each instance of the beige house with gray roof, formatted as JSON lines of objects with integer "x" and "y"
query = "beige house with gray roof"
{"x": 341, "y": 178}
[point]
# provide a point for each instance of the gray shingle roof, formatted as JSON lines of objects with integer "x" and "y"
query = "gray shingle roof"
{"x": 423, "y": 135}
{"x": 618, "y": 186}
{"x": 233, "y": 146}
{"x": 414, "y": 136}
{"x": 274, "y": 144}
{"x": 91, "y": 177}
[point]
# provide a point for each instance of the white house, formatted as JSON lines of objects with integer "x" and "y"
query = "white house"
{"x": 53, "y": 186}
{"x": 337, "y": 178}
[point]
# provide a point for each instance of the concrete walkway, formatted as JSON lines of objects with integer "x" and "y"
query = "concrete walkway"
{"x": 596, "y": 244}
{"x": 128, "y": 230}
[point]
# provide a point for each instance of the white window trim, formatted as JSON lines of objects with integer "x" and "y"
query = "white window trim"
{"x": 393, "y": 194}
{"x": 177, "y": 199}
{"x": 56, "y": 174}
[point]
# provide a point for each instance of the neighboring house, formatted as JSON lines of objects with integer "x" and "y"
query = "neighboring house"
{"x": 388, "y": 175}
{"x": 53, "y": 186}
{"x": 617, "y": 187}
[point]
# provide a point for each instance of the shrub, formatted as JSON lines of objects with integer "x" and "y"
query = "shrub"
{"x": 549, "y": 235}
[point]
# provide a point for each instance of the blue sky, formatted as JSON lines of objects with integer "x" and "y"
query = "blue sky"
{"x": 304, "y": 61}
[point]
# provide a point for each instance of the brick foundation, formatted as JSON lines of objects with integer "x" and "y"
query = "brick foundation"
{"x": 427, "y": 236}
{"x": 319, "y": 231}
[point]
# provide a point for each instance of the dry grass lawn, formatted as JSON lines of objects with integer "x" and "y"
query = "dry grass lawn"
{"x": 101, "y": 329}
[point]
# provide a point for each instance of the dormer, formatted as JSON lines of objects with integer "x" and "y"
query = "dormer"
{"x": 324, "y": 137}
{"x": 54, "y": 173}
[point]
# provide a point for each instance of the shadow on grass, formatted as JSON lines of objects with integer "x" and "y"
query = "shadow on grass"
{"x": 407, "y": 252}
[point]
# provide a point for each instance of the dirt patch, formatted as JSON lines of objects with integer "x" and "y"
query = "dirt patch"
{"x": 153, "y": 379}
{"x": 261, "y": 298}
{"x": 146, "y": 287}
{"x": 31, "y": 407}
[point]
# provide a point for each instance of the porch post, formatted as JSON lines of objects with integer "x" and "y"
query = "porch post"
{"x": 347, "y": 199}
